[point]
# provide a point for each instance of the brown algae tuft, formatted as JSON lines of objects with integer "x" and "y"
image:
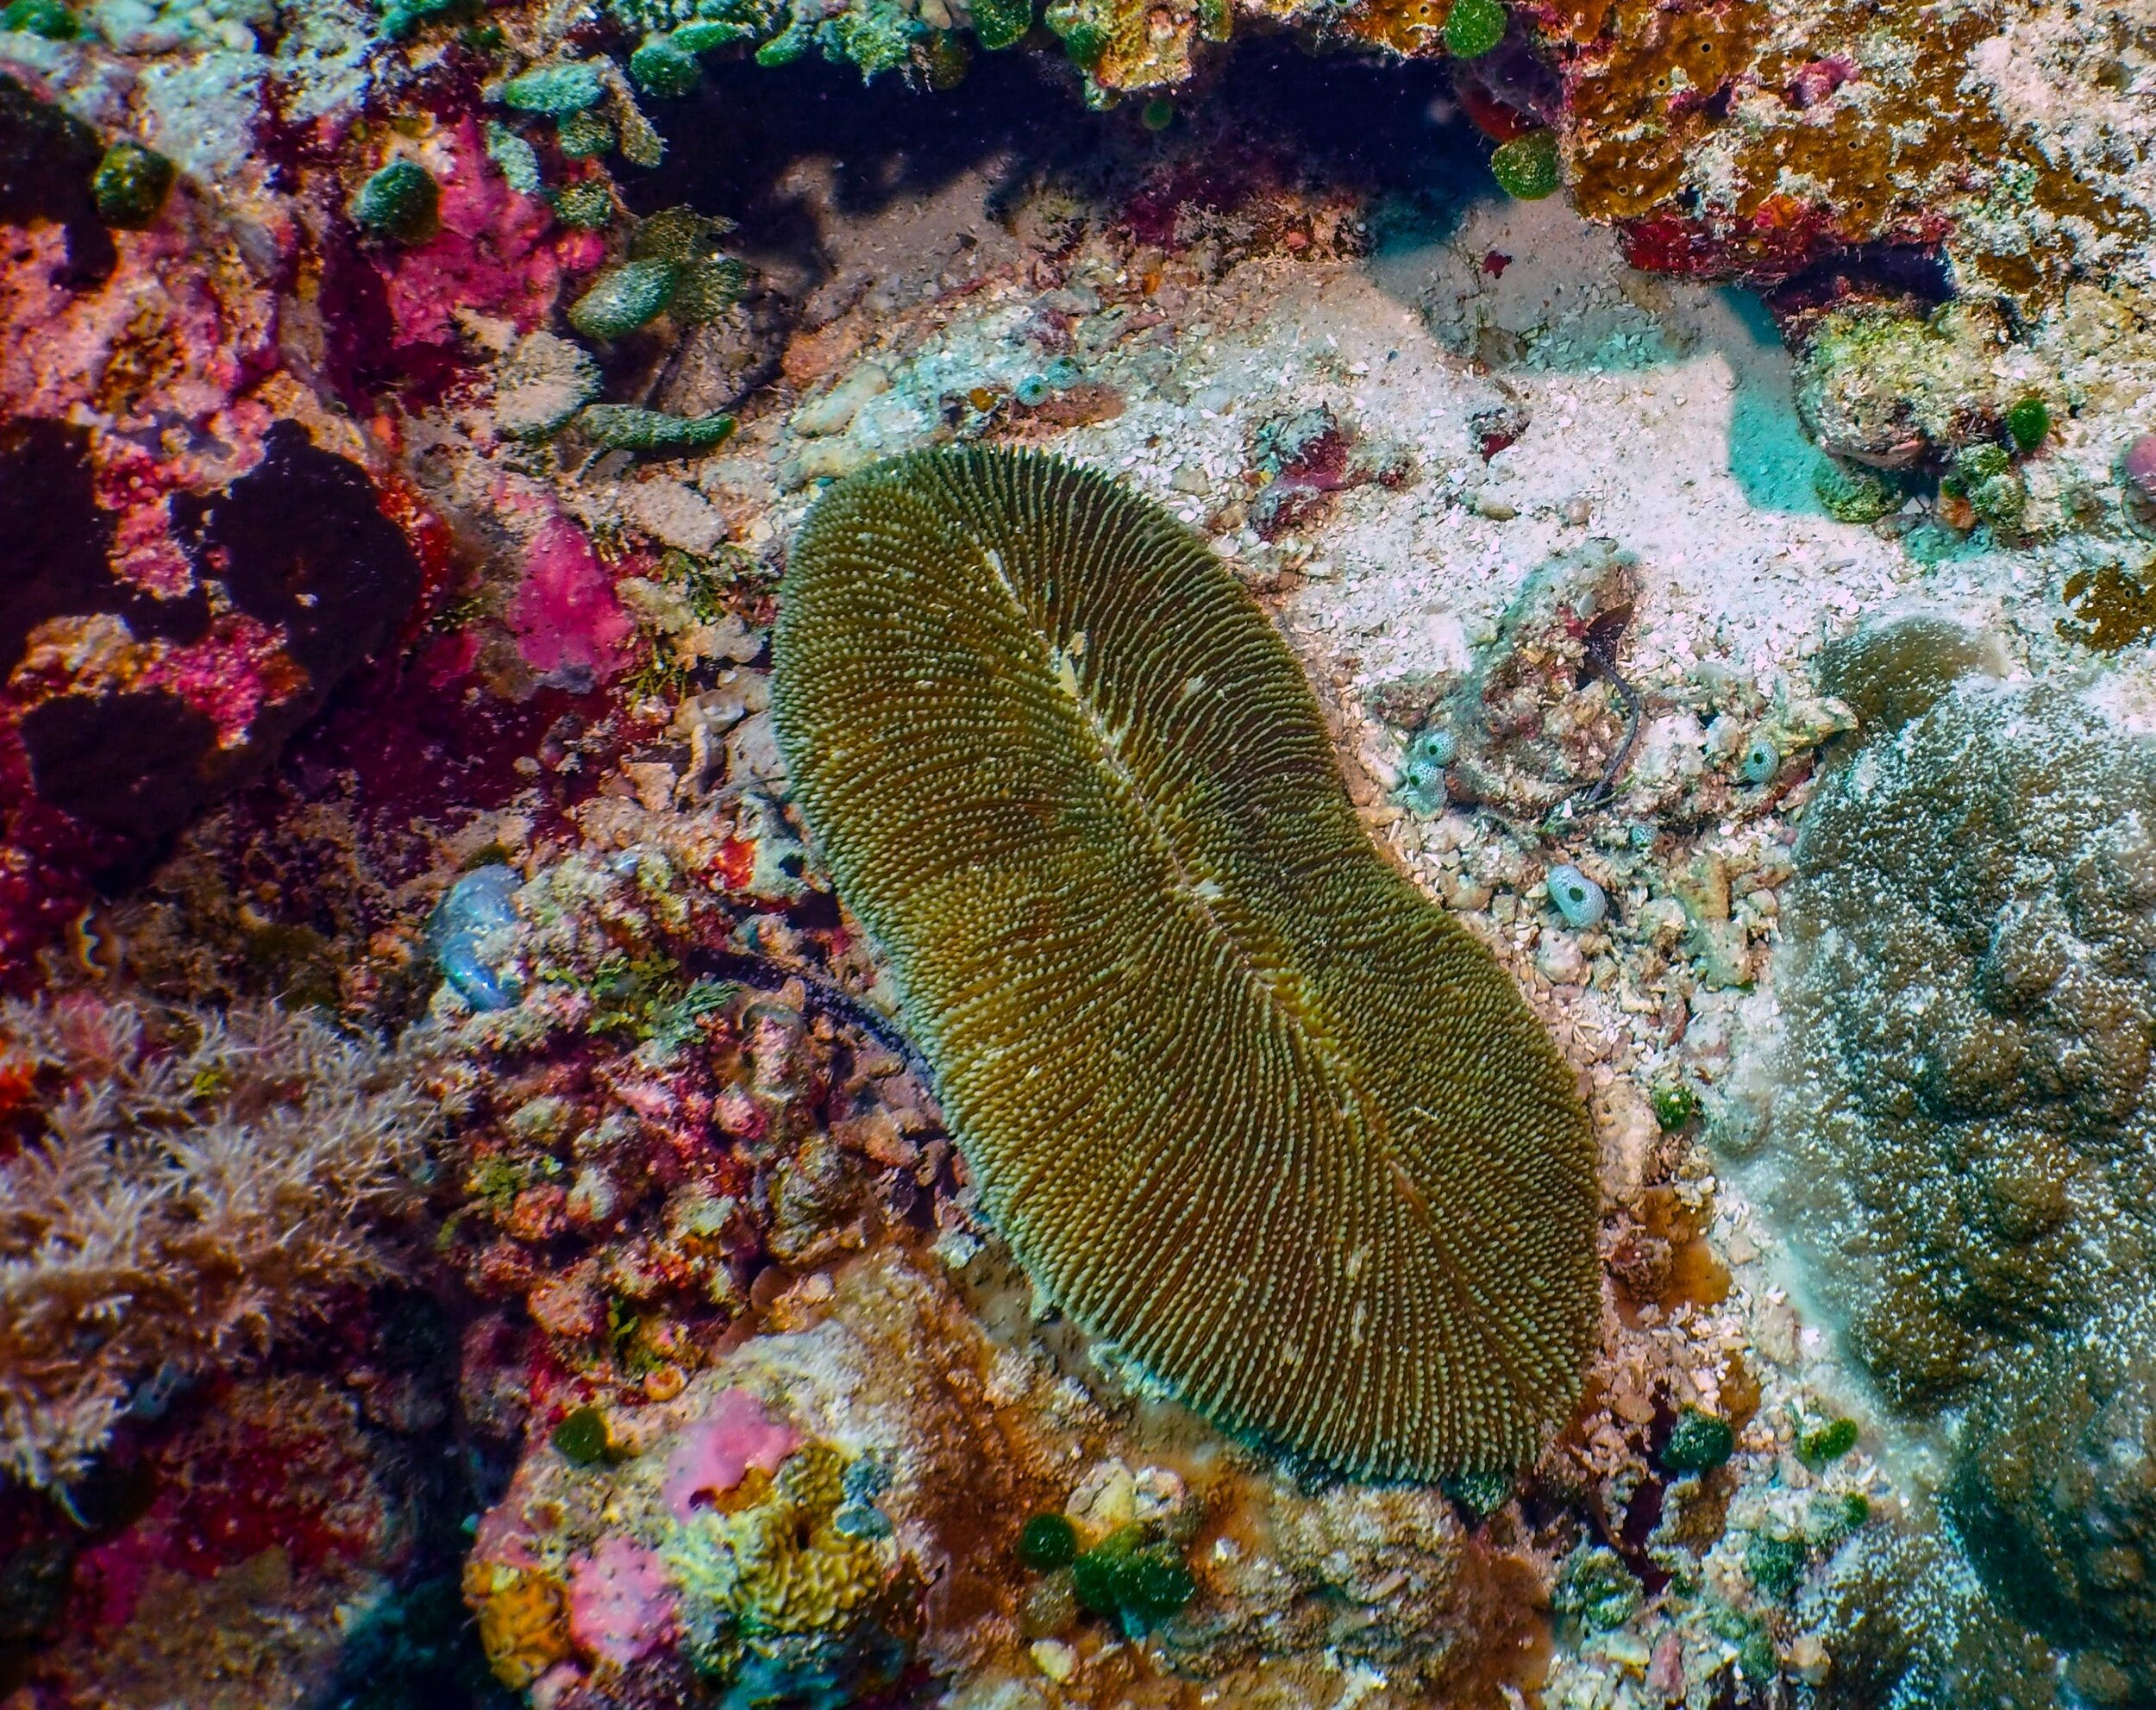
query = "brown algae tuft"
{"x": 1246, "y": 1104}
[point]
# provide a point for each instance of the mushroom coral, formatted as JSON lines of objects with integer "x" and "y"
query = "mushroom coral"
{"x": 1245, "y": 1103}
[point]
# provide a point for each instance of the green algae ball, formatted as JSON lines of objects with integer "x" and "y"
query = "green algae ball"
{"x": 555, "y": 90}
{"x": 1853, "y": 494}
{"x": 1776, "y": 1565}
{"x": 1001, "y": 23}
{"x": 659, "y": 67}
{"x": 587, "y": 204}
{"x": 1097, "y": 1575}
{"x": 1083, "y": 28}
{"x": 1481, "y": 1493}
{"x": 1833, "y": 1518}
{"x": 1596, "y": 1589}
{"x": 1123, "y": 1575}
{"x": 1526, "y": 167}
{"x": 1699, "y": 1443}
{"x": 583, "y": 1438}
{"x": 400, "y": 202}
{"x": 1155, "y": 1585}
{"x": 623, "y": 427}
{"x": 624, "y": 298}
{"x": 131, "y": 183}
{"x": 1048, "y": 1542}
{"x": 2030, "y": 422}
{"x": 1675, "y": 1105}
{"x": 1756, "y": 1659}
{"x": 1157, "y": 114}
{"x": 1827, "y": 1444}
{"x": 48, "y": 18}
{"x": 1472, "y": 27}
{"x": 584, "y": 137}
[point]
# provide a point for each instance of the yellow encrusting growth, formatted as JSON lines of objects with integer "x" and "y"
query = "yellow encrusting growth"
{"x": 1245, "y": 1103}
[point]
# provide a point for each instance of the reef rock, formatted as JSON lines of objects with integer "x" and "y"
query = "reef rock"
{"x": 1964, "y": 1142}
{"x": 1539, "y": 718}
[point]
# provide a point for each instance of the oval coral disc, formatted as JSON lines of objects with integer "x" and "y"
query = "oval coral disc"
{"x": 1245, "y": 1103}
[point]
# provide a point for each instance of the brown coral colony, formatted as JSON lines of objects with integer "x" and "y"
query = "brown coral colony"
{"x": 1248, "y": 1105}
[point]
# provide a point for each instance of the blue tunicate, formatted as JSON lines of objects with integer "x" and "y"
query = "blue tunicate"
{"x": 1578, "y": 898}
{"x": 478, "y": 904}
{"x": 1422, "y": 770}
{"x": 481, "y": 901}
{"x": 1761, "y": 761}
{"x": 1032, "y": 391}
{"x": 1063, "y": 373}
{"x": 858, "y": 1520}
{"x": 474, "y": 979}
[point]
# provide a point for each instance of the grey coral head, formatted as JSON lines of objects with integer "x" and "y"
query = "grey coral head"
{"x": 1245, "y": 1103}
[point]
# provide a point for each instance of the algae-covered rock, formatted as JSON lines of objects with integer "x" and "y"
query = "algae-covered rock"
{"x": 1888, "y": 671}
{"x": 1966, "y": 1142}
{"x": 1905, "y": 1623}
{"x": 883, "y": 1473}
{"x": 2054, "y": 1490}
{"x": 399, "y": 203}
{"x": 1883, "y": 387}
{"x": 541, "y": 384}
{"x": 131, "y": 183}
{"x": 1536, "y": 721}
{"x": 1971, "y": 1016}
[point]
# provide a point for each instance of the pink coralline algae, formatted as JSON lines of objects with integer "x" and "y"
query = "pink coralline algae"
{"x": 716, "y": 1455}
{"x": 230, "y": 676}
{"x": 179, "y": 330}
{"x": 2139, "y": 465}
{"x": 127, "y": 704}
{"x": 621, "y": 1607}
{"x": 569, "y": 627}
{"x": 493, "y": 254}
